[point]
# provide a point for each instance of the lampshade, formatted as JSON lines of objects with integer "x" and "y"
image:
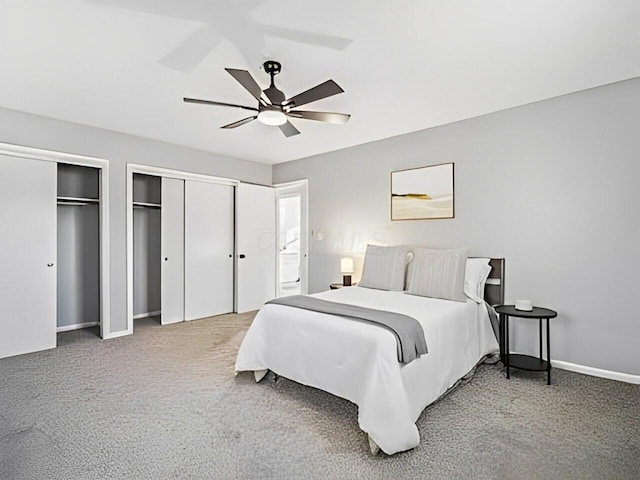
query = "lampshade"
{"x": 346, "y": 265}
{"x": 270, "y": 116}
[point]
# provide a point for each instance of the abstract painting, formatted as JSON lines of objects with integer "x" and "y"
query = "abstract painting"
{"x": 422, "y": 193}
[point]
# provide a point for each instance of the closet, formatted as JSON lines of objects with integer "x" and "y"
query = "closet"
{"x": 50, "y": 255}
{"x": 183, "y": 244}
{"x": 78, "y": 247}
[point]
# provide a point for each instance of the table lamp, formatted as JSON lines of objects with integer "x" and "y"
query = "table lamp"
{"x": 346, "y": 268}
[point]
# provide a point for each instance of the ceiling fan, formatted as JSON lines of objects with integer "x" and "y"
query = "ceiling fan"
{"x": 273, "y": 107}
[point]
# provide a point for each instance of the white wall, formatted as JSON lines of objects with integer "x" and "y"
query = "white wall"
{"x": 40, "y": 132}
{"x": 551, "y": 186}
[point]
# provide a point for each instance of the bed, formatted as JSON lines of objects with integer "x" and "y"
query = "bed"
{"x": 358, "y": 361}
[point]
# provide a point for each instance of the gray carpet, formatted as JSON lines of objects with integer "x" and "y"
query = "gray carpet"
{"x": 164, "y": 403}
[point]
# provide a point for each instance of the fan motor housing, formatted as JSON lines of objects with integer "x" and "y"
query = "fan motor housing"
{"x": 272, "y": 67}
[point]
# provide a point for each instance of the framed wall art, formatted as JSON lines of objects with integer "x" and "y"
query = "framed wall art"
{"x": 423, "y": 193}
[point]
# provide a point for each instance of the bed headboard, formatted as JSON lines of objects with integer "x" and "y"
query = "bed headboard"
{"x": 494, "y": 287}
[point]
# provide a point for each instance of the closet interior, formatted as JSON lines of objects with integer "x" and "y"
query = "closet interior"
{"x": 147, "y": 229}
{"x": 78, "y": 247}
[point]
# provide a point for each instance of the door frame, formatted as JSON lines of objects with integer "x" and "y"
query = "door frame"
{"x": 160, "y": 172}
{"x": 21, "y": 151}
{"x": 282, "y": 189}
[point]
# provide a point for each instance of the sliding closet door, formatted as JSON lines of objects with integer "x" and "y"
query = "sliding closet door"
{"x": 256, "y": 229}
{"x": 28, "y": 255}
{"x": 172, "y": 240}
{"x": 208, "y": 269}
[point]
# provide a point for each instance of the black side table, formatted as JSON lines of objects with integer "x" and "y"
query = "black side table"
{"x": 335, "y": 286}
{"x": 525, "y": 362}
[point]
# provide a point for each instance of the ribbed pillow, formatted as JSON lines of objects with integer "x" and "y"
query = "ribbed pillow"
{"x": 438, "y": 273}
{"x": 384, "y": 268}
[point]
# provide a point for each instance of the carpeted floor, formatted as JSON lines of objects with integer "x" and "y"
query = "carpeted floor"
{"x": 164, "y": 403}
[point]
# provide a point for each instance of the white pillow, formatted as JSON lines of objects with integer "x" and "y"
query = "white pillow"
{"x": 438, "y": 273}
{"x": 476, "y": 273}
{"x": 384, "y": 268}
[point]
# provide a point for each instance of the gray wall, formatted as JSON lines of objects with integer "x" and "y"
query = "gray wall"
{"x": 41, "y": 132}
{"x": 78, "y": 272}
{"x": 550, "y": 186}
{"x": 147, "y": 267}
{"x": 147, "y": 246}
{"x": 78, "y": 248}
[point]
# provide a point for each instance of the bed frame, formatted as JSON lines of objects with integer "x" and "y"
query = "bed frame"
{"x": 494, "y": 287}
{"x": 494, "y": 294}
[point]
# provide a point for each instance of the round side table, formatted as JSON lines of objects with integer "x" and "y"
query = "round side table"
{"x": 521, "y": 361}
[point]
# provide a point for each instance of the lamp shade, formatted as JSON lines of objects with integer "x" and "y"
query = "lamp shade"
{"x": 271, "y": 116}
{"x": 346, "y": 265}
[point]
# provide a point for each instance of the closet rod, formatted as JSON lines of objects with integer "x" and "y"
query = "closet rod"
{"x": 71, "y": 204}
{"x": 146, "y": 205}
{"x": 83, "y": 200}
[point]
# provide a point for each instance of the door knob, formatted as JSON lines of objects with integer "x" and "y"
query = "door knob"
{"x": 230, "y": 256}
{"x": 166, "y": 258}
{"x": 242, "y": 255}
{"x": 49, "y": 265}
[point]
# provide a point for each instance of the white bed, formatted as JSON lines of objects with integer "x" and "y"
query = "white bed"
{"x": 358, "y": 361}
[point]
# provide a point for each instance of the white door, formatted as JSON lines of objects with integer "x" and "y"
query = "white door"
{"x": 172, "y": 244}
{"x": 208, "y": 269}
{"x": 27, "y": 255}
{"x": 256, "y": 242}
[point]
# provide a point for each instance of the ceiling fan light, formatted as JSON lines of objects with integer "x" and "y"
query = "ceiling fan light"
{"x": 272, "y": 117}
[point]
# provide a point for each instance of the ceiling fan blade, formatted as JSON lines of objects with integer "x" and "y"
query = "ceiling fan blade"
{"x": 188, "y": 55}
{"x": 329, "y": 117}
{"x": 240, "y": 122}
{"x": 288, "y": 129}
{"x": 317, "y": 39}
{"x": 220, "y": 104}
{"x": 324, "y": 90}
{"x": 247, "y": 81}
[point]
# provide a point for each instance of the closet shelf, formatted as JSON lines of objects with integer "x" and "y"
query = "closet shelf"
{"x": 146, "y": 205}
{"x": 77, "y": 201}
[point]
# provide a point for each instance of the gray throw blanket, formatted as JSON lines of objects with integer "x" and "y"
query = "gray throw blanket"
{"x": 407, "y": 330}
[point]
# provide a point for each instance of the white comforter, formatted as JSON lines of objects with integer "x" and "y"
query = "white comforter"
{"x": 358, "y": 361}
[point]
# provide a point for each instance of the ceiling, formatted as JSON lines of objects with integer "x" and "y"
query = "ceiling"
{"x": 124, "y": 65}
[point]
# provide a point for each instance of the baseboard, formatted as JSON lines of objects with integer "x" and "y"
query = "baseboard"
{"x": 77, "y": 326}
{"x": 122, "y": 333}
{"x": 146, "y": 315}
{"x": 596, "y": 372}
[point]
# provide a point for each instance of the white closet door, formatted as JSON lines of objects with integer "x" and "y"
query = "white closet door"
{"x": 208, "y": 272}
{"x": 172, "y": 240}
{"x": 256, "y": 230}
{"x": 28, "y": 255}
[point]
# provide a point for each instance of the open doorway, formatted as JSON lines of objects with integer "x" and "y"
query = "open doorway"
{"x": 291, "y": 203}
